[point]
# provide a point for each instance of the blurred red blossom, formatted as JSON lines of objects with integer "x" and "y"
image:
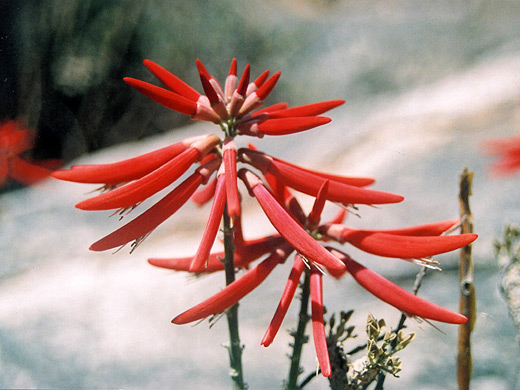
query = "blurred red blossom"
{"x": 15, "y": 139}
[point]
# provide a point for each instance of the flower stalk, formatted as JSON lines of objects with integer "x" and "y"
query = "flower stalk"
{"x": 299, "y": 334}
{"x": 235, "y": 347}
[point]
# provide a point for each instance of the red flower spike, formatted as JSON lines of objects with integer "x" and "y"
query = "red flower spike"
{"x": 286, "y": 225}
{"x": 399, "y": 246}
{"x": 307, "y": 110}
{"x": 318, "y": 326}
{"x": 211, "y": 230}
{"x": 310, "y": 183}
{"x": 171, "y": 81}
{"x": 137, "y": 191}
{"x": 235, "y": 291}
{"x": 162, "y": 96}
{"x": 285, "y": 126}
{"x": 396, "y": 296}
{"x": 145, "y": 223}
{"x": 317, "y": 208}
{"x": 246, "y": 252}
{"x": 126, "y": 170}
{"x": 202, "y": 69}
{"x": 285, "y": 301}
{"x": 353, "y": 181}
{"x": 205, "y": 194}
{"x": 229, "y": 152}
{"x": 231, "y": 80}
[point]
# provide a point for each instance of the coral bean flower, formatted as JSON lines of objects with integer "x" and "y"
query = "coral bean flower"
{"x": 14, "y": 140}
{"x": 212, "y": 161}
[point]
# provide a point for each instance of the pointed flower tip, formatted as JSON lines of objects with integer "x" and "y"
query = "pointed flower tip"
{"x": 233, "y": 67}
{"x": 265, "y": 89}
{"x": 202, "y": 69}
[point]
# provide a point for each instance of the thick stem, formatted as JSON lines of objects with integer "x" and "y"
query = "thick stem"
{"x": 235, "y": 348}
{"x": 299, "y": 335}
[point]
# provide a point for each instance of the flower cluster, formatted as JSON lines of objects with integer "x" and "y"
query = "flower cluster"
{"x": 235, "y": 108}
{"x": 15, "y": 139}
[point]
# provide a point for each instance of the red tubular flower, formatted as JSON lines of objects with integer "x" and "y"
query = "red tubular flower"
{"x": 397, "y": 296}
{"x": 397, "y": 245}
{"x": 314, "y": 216}
{"x": 286, "y": 225}
{"x": 318, "y": 327}
{"x": 172, "y": 82}
{"x": 211, "y": 230}
{"x": 126, "y": 170}
{"x": 205, "y": 194}
{"x": 158, "y": 213}
{"x": 285, "y": 301}
{"x": 309, "y": 183}
{"x": 306, "y": 110}
{"x": 229, "y": 154}
{"x": 283, "y": 126}
{"x": 139, "y": 190}
{"x": 245, "y": 253}
{"x": 235, "y": 291}
{"x": 231, "y": 80}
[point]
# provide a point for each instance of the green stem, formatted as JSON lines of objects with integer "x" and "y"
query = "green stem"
{"x": 235, "y": 348}
{"x": 299, "y": 335}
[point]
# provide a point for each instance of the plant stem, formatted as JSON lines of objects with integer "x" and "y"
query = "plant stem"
{"x": 467, "y": 296}
{"x": 299, "y": 335}
{"x": 235, "y": 348}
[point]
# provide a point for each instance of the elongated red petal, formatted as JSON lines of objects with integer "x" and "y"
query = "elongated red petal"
{"x": 25, "y": 172}
{"x": 143, "y": 188}
{"x": 286, "y": 198}
{"x": 235, "y": 291}
{"x": 318, "y": 327}
{"x": 209, "y": 90}
{"x": 265, "y": 89}
{"x": 269, "y": 109}
{"x": 307, "y": 110}
{"x": 171, "y": 81}
{"x": 203, "y": 195}
{"x": 244, "y": 81}
{"x": 158, "y": 213}
{"x": 230, "y": 163}
{"x": 162, "y": 96}
{"x": 353, "y": 181}
{"x": 287, "y": 226}
{"x": 310, "y": 183}
{"x": 231, "y": 80}
{"x": 211, "y": 230}
{"x": 122, "y": 171}
{"x": 153, "y": 182}
{"x": 284, "y": 126}
{"x": 285, "y": 301}
{"x": 319, "y": 204}
{"x": 428, "y": 229}
{"x": 406, "y": 247}
{"x": 398, "y": 297}
{"x": 249, "y": 251}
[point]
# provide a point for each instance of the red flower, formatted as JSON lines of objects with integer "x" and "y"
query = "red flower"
{"x": 14, "y": 140}
{"x": 508, "y": 152}
{"x": 130, "y": 182}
